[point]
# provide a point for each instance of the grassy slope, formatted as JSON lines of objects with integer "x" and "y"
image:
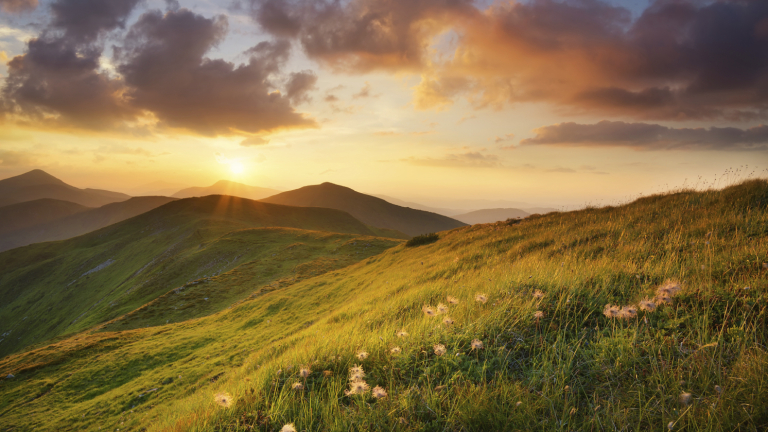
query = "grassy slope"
{"x": 59, "y": 288}
{"x": 573, "y": 370}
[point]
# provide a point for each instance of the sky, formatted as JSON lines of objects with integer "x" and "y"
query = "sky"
{"x": 541, "y": 102}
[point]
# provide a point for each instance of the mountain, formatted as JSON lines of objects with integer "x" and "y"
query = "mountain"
{"x": 441, "y": 211}
{"x": 156, "y": 188}
{"x": 368, "y": 209}
{"x": 78, "y": 223}
{"x": 226, "y": 187}
{"x": 491, "y": 215}
{"x": 16, "y": 217}
{"x": 535, "y": 353}
{"x": 38, "y": 184}
{"x": 54, "y": 288}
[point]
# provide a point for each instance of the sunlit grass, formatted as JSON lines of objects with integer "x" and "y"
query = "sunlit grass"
{"x": 568, "y": 368}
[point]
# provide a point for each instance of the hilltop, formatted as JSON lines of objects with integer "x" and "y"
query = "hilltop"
{"x": 56, "y": 288}
{"x": 370, "y": 210}
{"x": 491, "y": 215}
{"x": 38, "y": 184}
{"x": 696, "y": 362}
{"x": 60, "y": 226}
{"x": 226, "y": 187}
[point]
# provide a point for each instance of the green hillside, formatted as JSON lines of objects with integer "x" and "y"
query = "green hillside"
{"x": 698, "y": 362}
{"x": 57, "y": 288}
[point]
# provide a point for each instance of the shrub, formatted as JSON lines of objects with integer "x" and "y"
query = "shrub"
{"x": 422, "y": 240}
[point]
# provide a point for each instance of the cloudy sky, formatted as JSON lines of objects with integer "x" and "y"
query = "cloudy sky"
{"x": 546, "y": 102}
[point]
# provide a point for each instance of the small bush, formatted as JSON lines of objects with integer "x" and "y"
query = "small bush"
{"x": 422, "y": 240}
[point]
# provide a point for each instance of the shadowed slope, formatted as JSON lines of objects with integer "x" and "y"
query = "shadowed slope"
{"x": 16, "y": 217}
{"x": 38, "y": 184}
{"x": 80, "y": 223}
{"x": 371, "y": 210}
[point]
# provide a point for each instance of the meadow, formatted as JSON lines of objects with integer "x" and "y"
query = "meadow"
{"x": 504, "y": 326}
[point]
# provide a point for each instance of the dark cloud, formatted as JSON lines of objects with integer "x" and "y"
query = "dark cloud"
{"x": 17, "y": 6}
{"x": 645, "y": 136}
{"x": 83, "y": 21}
{"x": 462, "y": 160}
{"x": 359, "y": 35}
{"x": 165, "y": 68}
{"x": 298, "y": 86}
{"x": 364, "y": 92}
{"x": 59, "y": 79}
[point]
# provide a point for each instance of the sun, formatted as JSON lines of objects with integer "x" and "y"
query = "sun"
{"x": 236, "y": 168}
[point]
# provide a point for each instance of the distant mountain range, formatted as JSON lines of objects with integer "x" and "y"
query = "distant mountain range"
{"x": 491, "y": 215}
{"x": 16, "y": 217}
{"x": 225, "y": 187}
{"x": 38, "y": 184}
{"x": 66, "y": 226}
{"x": 368, "y": 209}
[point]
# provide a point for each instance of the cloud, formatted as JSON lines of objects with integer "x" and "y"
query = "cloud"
{"x": 645, "y": 136}
{"x": 679, "y": 59}
{"x": 163, "y": 75}
{"x": 254, "y": 141}
{"x": 17, "y": 6}
{"x": 164, "y": 65}
{"x": 16, "y": 158}
{"x": 299, "y": 84}
{"x": 506, "y": 137}
{"x": 58, "y": 80}
{"x": 359, "y": 35}
{"x": 462, "y": 160}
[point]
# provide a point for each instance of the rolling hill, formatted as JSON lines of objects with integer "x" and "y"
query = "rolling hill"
{"x": 78, "y": 223}
{"x": 57, "y": 288}
{"x": 38, "y": 184}
{"x": 491, "y": 215}
{"x": 226, "y": 187}
{"x": 19, "y": 216}
{"x": 368, "y": 209}
{"x": 529, "y": 345}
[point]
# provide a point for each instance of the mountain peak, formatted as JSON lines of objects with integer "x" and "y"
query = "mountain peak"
{"x": 34, "y": 177}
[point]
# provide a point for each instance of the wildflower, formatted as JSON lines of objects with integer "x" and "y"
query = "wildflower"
{"x": 428, "y": 311}
{"x": 356, "y": 373}
{"x": 279, "y": 371}
{"x": 447, "y": 320}
{"x": 477, "y": 344}
{"x": 396, "y": 350}
{"x": 671, "y": 425}
{"x": 685, "y": 398}
{"x": 441, "y": 308}
{"x": 223, "y": 399}
{"x": 718, "y": 389}
{"x": 439, "y": 349}
{"x": 327, "y": 373}
{"x": 297, "y": 386}
{"x": 454, "y": 300}
{"x": 669, "y": 288}
{"x": 304, "y": 371}
{"x": 573, "y": 411}
{"x": 402, "y": 333}
{"x": 628, "y": 312}
{"x": 611, "y": 311}
{"x": 482, "y": 298}
{"x": 538, "y": 295}
{"x": 538, "y": 315}
{"x": 518, "y": 403}
{"x": 357, "y": 388}
{"x": 378, "y": 392}
{"x": 362, "y": 355}
{"x": 662, "y": 299}
{"x": 647, "y": 305}
{"x": 288, "y": 428}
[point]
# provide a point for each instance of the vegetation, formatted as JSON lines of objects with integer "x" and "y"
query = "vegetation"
{"x": 422, "y": 240}
{"x": 507, "y": 329}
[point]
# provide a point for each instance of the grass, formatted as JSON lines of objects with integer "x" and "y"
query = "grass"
{"x": 57, "y": 289}
{"x": 572, "y": 369}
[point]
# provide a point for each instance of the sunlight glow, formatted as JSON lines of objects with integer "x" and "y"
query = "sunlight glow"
{"x": 236, "y": 167}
